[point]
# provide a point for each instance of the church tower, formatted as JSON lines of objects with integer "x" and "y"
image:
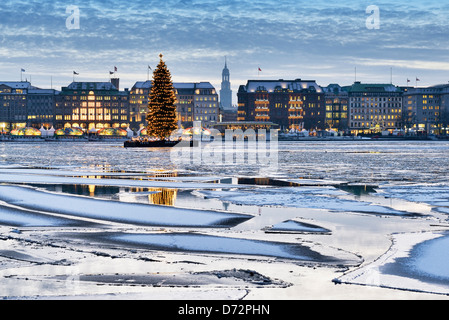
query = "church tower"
{"x": 226, "y": 92}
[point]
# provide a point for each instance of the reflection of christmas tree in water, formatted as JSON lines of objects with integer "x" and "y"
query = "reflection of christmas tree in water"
{"x": 162, "y": 116}
{"x": 165, "y": 197}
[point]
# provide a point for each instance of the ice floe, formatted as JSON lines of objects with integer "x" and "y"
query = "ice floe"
{"x": 301, "y": 197}
{"x": 415, "y": 262}
{"x": 27, "y": 218}
{"x": 291, "y": 226}
{"x": 432, "y": 194}
{"x": 140, "y": 214}
{"x": 200, "y": 243}
{"x": 186, "y": 183}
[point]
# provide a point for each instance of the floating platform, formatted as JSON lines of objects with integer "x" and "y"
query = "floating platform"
{"x": 155, "y": 144}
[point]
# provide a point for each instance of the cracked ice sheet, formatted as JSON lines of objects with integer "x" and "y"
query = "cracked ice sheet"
{"x": 415, "y": 262}
{"x": 23, "y": 218}
{"x": 301, "y": 197}
{"x": 131, "y": 213}
{"x": 189, "y": 242}
{"x": 432, "y": 194}
{"x": 299, "y": 227}
{"x": 51, "y": 179}
{"x": 74, "y": 173}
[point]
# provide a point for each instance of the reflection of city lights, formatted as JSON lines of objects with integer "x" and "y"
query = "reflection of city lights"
{"x": 163, "y": 197}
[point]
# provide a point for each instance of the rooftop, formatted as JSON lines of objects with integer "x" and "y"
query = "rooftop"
{"x": 176, "y": 85}
{"x": 373, "y": 87}
{"x": 17, "y": 84}
{"x": 92, "y": 86}
{"x": 272, "y": 85}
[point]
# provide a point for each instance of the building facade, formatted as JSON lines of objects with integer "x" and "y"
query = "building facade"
{"x": 89, "y": 105}
{"x": 426, "y": 109}
{"x": 337, "y": 108}
{"x": 41, "y": 108}
{"x": 292, "y": 104}
{"x": 374, "y": 108}
{"x": 194, "y": 102}
{"x": 206, "y": 104}
{"x": 13, "y": 105}
{"x": 139, "y": 97}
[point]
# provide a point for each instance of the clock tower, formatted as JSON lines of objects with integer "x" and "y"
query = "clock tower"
{"x": 226, "y": 92}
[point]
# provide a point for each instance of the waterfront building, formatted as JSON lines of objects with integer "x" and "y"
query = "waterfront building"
{"x": 41, "y": 108}
{"x": 292, "y": 104}
{"x": 206, "y": 104}
{"x": 92, "y": 105}
{"x": 194, "y": 101}
{"x": 426, "y": 109}
{"x": 139, "y": 98}
{"x": 337, "y": 107}
{"x": 13, "y": 105}
{"x": 374, "y": 108}
{"x": 228, "y": 115}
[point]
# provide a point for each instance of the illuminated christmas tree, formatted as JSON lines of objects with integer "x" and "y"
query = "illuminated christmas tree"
{"x": 162, "y": 116}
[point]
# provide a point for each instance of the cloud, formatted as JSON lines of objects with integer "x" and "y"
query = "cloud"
{"x": 289, "y": 38}
{"x": 410, "y": 64}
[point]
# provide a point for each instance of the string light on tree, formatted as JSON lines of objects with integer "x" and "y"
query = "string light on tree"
{"x": 162, "y": 112}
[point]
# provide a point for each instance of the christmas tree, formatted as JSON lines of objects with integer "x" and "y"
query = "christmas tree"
{"x": 162, "y": 116}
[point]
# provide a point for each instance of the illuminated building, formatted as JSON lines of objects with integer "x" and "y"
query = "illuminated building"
{"x": 374, "y": 108}
{"x": 194, "y": 101}
{"x": 337, "y": 107}
{"x": 292, "y": 104}
{"x": 90, "y": 105}
{"x": 139, "y": 97}
{"x": 13, "y": 105}
{"x": 426, "y": 109}
{"x": 41, "y": 108}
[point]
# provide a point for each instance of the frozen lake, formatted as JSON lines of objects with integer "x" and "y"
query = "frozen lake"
{"x": 370, "y": 216}
{"x": 354, "y": 161}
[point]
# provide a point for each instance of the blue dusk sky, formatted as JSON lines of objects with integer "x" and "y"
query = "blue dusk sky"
{"x": 314, "y": 40}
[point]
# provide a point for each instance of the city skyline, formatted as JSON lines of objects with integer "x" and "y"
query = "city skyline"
{"x": 329, "y": 43}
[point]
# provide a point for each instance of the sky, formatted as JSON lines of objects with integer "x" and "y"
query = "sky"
{"x": 326, "y": 41}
